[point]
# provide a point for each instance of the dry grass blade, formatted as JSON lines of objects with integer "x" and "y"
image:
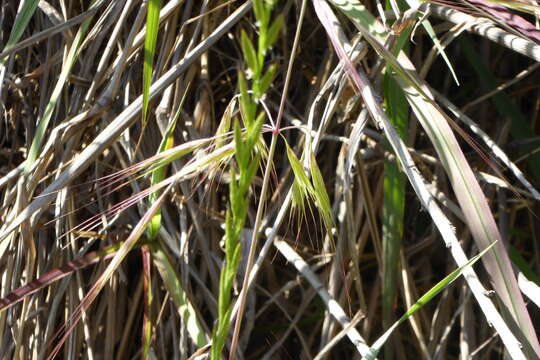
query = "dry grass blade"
{"x": 331, "y": 305}
{"x": 126, "y": 118}
{"x": 497, "y": 151}
{"x": 56, "y": 275}
{"x": 117, "y": 259}
{"x": 489, "y": 30}
{"x": 303, "y": 186}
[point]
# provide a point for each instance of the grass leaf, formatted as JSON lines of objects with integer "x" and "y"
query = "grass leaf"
{"x": 152, "y": 27}
{"x": 424, "y": 299}
{"x": 172, "y": 282}
{"x": 21, "y": 21}
{"x": 51, "y": 105}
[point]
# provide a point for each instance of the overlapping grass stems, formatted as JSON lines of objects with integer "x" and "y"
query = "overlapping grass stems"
{"x": 247, "y": 153}
{"x": 33, "y": 265}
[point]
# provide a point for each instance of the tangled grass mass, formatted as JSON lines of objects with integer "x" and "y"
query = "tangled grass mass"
{"x": 269, "y": 179}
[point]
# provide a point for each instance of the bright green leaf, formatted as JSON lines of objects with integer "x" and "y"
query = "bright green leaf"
{"x": 152, "y": 27}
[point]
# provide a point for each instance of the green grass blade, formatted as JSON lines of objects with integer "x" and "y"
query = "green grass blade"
{"x": 171, "y": 279}
{"x": 273, "y": 31}
{"x": 300, "y": 177}
{"x": 21, "y": 21}
{"x": 394, "y": 184}
{"x": 158, "y": 174}
{"x": 152, "y": 27}
{"x": 359, "y": 13}
{"x": 424, "y": 299}
{"x": 431, "y": 33}
{"x": 397, "y": 109}
{"x": 51, "y": 105}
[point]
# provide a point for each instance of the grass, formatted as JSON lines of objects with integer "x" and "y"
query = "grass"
{"x": 268, "y": 179}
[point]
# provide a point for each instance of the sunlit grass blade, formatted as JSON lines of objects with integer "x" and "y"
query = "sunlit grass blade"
{"x": 424, "y": 299}
{"x": 415, "y": 4}
{"x": 476, "y": 209}
{"x": 152, "y": 27}
{"x": 320, "y": 194}
{"x": 248, "y": 152}
{"x": 309, "y": 189}
{"x": 250, "y": 55}
{"x": 431, "y": 32}
{"x": 304, "y": 185}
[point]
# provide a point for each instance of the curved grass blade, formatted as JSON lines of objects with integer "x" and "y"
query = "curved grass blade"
{"x": 119, "y": 124}
{"x": 416, "y": 6}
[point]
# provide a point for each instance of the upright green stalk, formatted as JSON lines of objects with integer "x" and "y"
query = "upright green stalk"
{"x": 394, "y": 193}
{"x": 246, "y": 157}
